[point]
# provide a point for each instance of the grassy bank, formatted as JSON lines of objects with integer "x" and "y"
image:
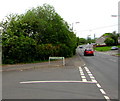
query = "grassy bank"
{"x": 105, "y": 48}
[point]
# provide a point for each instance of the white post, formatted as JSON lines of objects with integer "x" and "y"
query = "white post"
{"x": 63, "y": 61}
{"x": 49, "y": 60}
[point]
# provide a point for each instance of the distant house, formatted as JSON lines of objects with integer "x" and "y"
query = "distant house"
{"x": 100, "y": 41}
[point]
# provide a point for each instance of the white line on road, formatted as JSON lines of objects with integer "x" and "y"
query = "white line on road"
{"x": 94, "y": 81}
{"x": 90, "y": 74}
{"x": 98, "y": 85}
{"x": 82, "y": 75}
{"x": 103, "y": 92}
{"x": 92, "y": 77}
{"x": 107, "y": 98}
{"x": 84, "y": 80}
{"x": 27, "y": 82}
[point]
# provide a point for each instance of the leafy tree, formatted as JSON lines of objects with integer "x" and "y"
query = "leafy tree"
{"x": 109, "y": 41}
{"x": 82, "y": 41}
{"x": 114, "y": 36}
{"x": 40, "y": 31}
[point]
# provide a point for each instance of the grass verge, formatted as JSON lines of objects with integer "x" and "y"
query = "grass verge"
{"x": 105, "y": 48}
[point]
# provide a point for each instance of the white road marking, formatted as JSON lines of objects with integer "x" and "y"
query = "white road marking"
{"x": 98, "y": 85}
{"x": 28, "y": 82}
{"x": 92, "y": 77}
{"x": 86, "y": 68}
{"x": 90, "y": 74}
{"x": 83, "y": 77}
{"x": 94, "y": 81}
{"x": 81, "y": 73}
{"x": 84, "y": 80}
{"x": 107, "y": 98}
{"x": 103, "y": 92}
{"x": 81, "y": 70}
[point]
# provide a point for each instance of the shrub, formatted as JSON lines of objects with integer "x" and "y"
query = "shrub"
{"x": 18, "y": 49}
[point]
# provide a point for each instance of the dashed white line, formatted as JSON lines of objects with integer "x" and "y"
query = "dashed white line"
{"x": 81, "y": 74}
{"x": 107, "y": 98}
{"x": 83, "y": 77}
{"x": 94, "y": 81}
{"x": 90, "y": 74}
{"x": 92, "y": 77}
{"x": 103, "y": 92}
{"x": 85, "y": 80}
{"x": 99, "y": 86}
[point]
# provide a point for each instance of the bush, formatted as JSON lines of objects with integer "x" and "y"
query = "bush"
{"x": 18, "y": 49}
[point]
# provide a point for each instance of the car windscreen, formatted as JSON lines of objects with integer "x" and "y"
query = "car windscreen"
{"x": 88, "y": 50}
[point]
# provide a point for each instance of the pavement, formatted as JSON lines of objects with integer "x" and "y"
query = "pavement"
{"x": 58, "y": 63}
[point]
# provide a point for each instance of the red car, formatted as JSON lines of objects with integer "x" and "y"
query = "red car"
{"x": 88, "y": 52}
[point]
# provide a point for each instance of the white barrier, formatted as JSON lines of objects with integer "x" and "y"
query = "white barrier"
{"x": 57, "y": 58}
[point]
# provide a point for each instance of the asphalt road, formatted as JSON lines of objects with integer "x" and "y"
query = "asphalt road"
{"x": 105, "y": 69}
{"x": 96, "y": 78}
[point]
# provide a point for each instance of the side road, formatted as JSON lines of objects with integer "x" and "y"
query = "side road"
{"x": 73, "y": 61}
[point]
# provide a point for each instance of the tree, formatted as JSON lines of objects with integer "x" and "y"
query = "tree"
{"x": 114, "y": 36}
{"x": 109, "y": 41}
{"x": 82, "y": 41}
{"x": 40, "y": 31}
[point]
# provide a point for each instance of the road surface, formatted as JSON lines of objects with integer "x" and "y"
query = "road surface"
{"x": 95, "y": 79}
{"x": 105, "y": 69}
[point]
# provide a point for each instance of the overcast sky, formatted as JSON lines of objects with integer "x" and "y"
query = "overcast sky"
{"x": 94, "y": 16}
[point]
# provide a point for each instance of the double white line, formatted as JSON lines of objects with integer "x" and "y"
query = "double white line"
{"x": 93, "y": 80}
